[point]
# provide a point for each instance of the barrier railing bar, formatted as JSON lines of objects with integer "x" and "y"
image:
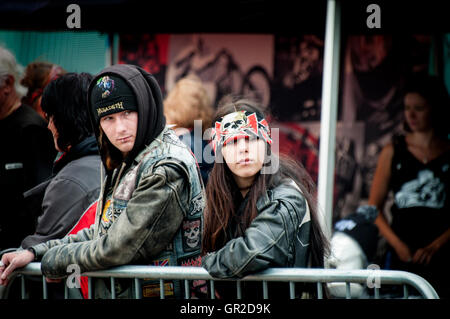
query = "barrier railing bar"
{"x": 162, "y": 294}
{"x": 405, "y": 292}
{"x": 265, "y": 290}
{"x": 238, "y": 290}
{"x": 348, "y": 294}
{"x": 291, "y": 289}
{"x": 137, "y": 287}
{"x": 44, "y": 287}
{"x": 377, "y": 293}
{"x": 316, "y": 275}
{"x": 22, "y": 287}
{"x": 66, "y": 289}
{"x": 213, "y": 290}
{"x": 89, "y": 287}
{"x": 186, "y": 289}
{"x": 113, "y": 288}
{"x": 319, "y": 290}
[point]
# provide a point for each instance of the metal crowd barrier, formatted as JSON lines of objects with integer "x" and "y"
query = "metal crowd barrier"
{"x": 291, "y": 275}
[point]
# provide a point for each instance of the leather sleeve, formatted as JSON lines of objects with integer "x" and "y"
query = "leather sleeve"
{"x": 153, "y": 215}
{"x": 268, "y": 242}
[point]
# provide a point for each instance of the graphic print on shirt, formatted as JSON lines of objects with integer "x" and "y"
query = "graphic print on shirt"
{"x": 191, "y": 235}
{"x": 424, "y": 191}
{"x": 107, "y": 216}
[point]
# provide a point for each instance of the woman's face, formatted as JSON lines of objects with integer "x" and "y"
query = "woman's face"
{"x": 244, "y": 157}
{"x": 417, "y": 112}
{"x": 121, "y": 129}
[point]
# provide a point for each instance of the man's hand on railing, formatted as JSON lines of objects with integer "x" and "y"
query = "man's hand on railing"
{"x": 12, "y": 261}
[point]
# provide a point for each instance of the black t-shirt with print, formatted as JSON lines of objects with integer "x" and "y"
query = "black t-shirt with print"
{"x": 421, "y": 196}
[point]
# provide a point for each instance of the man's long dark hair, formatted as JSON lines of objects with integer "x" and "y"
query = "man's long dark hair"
{"x": 222, "y": 194}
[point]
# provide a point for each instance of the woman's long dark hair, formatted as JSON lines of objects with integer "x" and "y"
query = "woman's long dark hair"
{"x": 222, "y": 194}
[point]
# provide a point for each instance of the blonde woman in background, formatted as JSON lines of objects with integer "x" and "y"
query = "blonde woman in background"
{"x": 187, "y": 102}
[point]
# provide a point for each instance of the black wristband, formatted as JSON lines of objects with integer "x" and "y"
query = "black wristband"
{"x": 33, "y": 251}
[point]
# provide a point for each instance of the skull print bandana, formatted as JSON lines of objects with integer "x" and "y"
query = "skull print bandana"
{"x": 237, "y": 125}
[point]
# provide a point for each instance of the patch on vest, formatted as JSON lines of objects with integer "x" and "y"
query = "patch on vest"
{"x": 153, "y": 290}
{"x": 197, "y": 204}
{"x": 195, "y": 261}
{"x": 191, "y": 235}
{"x": 161, "y": 262}
{"x": 171, "y": 137}
{"x": 126, "y": 187}
{"x": 109, "y": 214}
{"x": 199, "y": 286}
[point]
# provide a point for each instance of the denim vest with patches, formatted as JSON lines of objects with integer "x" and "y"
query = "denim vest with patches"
{"x": 185, "y": 248}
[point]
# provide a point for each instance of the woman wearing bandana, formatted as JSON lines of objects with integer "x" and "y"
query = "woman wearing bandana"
{"x": 258, "y": 214}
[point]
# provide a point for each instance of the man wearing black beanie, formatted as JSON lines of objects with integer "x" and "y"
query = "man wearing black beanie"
{"x": 151, "y": 197}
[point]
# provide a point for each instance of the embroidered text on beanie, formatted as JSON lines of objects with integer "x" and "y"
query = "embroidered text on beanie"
{"x": 111, "y": 94}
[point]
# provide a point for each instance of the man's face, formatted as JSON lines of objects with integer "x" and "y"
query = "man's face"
{"x": 244, "y": 156}
{"x": 121, "y": 129}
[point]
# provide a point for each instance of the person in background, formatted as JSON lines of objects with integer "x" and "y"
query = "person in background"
{"x": 75, "y": 184}
{"x": 187, "y": 102}
{"x": 66, "y": 202}
{"x": 415, "y": 167}
{"x": 258, "y": 214}
{"x": 353, "y": 246}
{"x": 26, "y": 156}
{"x": 37, "y": 76}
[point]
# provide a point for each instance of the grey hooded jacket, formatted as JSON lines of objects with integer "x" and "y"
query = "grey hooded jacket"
{"x": 64, "y": 199}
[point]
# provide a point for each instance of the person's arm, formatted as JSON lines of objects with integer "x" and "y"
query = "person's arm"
{"x": 377, "y": 197}
{"x": 264, "y": 244}
{"x": 23, "y": 257}
{"x": 11, "y": 261}
{"x": 425, "y": 254}
{"x": 153, "y": 215}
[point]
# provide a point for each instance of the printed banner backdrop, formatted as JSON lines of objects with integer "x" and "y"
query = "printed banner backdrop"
{"x": 148, "y": 51}
{"x": 348, "y": 156}
{"x": 226, "y": 63}
{"x": 300, "y": 143}
{"x": 296, "y": 91}
{"x": 285, "y": 73}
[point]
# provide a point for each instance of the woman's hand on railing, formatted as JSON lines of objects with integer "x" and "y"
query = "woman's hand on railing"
{"x": 12, "y": 261}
